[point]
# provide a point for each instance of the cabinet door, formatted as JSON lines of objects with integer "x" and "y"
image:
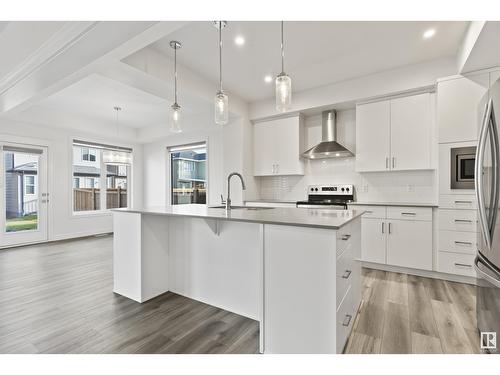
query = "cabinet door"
{"x": 264, "y": 149}
{"x": 372, "y": 136}
{"x": 373, "y": 239}
{"x": 458, "y": 102}
{"x": 409, "y": 244}
{"x": 287, "y": 138}
{"x": 411, "y": 132}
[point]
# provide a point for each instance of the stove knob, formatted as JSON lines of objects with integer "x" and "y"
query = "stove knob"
{"x": 316, "y": 189}
{"x": 346, "y": 189}
{"x": 342, "y": 189}
{"x": 312, "y": 189}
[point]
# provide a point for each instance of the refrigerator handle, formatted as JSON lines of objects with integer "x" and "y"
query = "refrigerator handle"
{"x": 486, "y": 263}
{"x": 495, "y": 171}
{"x": 479, "y": 175}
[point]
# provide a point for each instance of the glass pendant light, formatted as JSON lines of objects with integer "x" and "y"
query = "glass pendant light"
{"x": 283, "y": 83}
{"x": 221, "y": 99}
{"x": 175, "y": 126}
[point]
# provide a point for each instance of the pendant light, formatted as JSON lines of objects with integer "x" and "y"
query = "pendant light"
{"x": 221, "y": 99}
{"x": 175, "y": 126}
{"x": 283, "y": 83}
{"x": 117, "y": 110}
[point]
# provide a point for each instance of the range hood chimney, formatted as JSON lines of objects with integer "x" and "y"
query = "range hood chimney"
{"x": 328, "y": 147}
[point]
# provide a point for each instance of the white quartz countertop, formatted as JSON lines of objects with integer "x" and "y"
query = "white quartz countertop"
{"x": 395, "y": 204}
{"x": 316, "y": 218}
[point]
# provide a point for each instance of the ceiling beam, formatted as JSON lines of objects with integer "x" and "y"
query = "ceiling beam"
{"x": 82, "y": 49}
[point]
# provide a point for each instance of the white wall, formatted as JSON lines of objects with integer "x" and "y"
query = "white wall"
{"x": 403, "y": 186}
{"x": 62, "y": 223}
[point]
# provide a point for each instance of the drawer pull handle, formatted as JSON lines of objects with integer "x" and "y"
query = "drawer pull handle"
{"x": 347, "y": 320}
{"x": 368, "y": 212}
{"x": 463, "y": 202}
{"x": 463, "y": 265}
{"x": 346, "y": 274}
{"x": 345, "y": 237}
{"x": 408, "y": 213}
{"x": 462, "y": 221}
{"x": 463, "y": 243}
{"x": 383, "y": 227}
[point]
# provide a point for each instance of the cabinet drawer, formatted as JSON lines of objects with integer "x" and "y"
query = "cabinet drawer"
{"x": 458, "y": 242}
{"x": 344, "y": 238}
{"x": 458, "y": 220}
{"x": 346, "y": 313}
{"x": 378, "y": 212}
{"x": 410, "y": 213}
{"x": 458, "y": 264}
{"x": 345, "y": 274}
{"x": 460, "y": 202}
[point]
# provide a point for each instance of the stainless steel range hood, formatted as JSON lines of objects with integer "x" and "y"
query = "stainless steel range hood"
{"x": 329, "y": 147}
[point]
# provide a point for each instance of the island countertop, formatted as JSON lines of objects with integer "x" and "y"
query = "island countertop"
{"x": 315, "y": 218}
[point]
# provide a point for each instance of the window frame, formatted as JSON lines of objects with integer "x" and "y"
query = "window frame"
{"x": 97, "y": 148}
{"x": 26, "y": 185}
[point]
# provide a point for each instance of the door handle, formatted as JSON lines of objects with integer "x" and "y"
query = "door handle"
{"x": 346, "y": 274}
{"x": 345, "y": 237}
{"x": 393, "y": 162}
{"x": 389, "y": 228}
{"x": 347, "y": 320}
{"x": 386, "y": 162}
{"x": 383, "y": 227}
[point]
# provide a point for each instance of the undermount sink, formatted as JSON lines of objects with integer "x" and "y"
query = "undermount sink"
{"x": 244, "y": 208}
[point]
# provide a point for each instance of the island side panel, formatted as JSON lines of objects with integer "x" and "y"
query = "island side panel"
{"x": 155, "y": 256}
{"x": 127, "y": 255}
{"x": 223, "y": 269}
{"x": 299, "y": 289}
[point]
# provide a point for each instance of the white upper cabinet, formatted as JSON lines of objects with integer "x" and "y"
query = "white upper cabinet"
{"x": 277, "y": 147}
{"x": 373, "y": 136}
{"x": 394, "y": 134}
{"x": 411, "y": 132}
{"x": 458, "y": 112}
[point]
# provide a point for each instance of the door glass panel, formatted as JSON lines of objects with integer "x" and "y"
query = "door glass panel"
{"x": 188, "y": 175}
{"x": 21, "y": 172}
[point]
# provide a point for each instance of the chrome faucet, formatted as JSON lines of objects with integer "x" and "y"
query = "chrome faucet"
{"x": 228, "y": 199}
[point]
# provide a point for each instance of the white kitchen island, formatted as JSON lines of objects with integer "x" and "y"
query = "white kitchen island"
{"x": 294, "y": 270}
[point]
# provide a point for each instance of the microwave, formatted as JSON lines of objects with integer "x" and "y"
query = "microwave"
{"x": 463, "y": 160}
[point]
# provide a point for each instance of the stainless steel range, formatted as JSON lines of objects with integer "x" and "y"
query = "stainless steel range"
{"x": 328, "y": 196}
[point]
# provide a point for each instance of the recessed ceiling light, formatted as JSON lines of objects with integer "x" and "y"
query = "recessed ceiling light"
{"x": 429, "y": 33}
{"x": 268, "y": 79}
{"x": 239, "y": 40}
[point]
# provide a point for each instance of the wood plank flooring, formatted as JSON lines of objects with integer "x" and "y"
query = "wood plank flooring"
{"x": 409, "y": 314}
{"x": 57, "y": 298}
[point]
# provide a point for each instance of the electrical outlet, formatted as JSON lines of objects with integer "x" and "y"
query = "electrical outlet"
{"x": 365, "y": 188}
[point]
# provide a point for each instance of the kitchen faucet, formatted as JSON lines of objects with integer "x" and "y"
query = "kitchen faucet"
{"x": 228, "y": 199}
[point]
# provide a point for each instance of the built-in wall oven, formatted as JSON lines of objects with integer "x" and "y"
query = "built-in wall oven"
{"x": 463, "y": 160}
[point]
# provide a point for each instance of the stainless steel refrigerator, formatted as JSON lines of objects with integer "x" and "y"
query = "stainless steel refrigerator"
{"x": 487, "y": 181}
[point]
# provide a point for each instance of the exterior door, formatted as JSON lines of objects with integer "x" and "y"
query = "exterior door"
{"x": 23, "y": 192}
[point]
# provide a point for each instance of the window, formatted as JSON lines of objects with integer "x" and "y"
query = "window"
{"x": 188, "y": 180}
{"x": 96, "y": 165}
{"x": 29, "y": 185}
{"x": 88, "y": 154}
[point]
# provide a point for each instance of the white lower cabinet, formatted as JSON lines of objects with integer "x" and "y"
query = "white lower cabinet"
{"x": 455, "y": 263}
{"x": 402, "y": 237}
{"x": 409, "y": 244}
{"x": 373, "y": 240}
{"x": 312, "y": 290}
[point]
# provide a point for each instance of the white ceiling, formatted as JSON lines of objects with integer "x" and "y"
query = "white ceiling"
{"x": 95, "y": 96}
{"x": 316, "y": 53}
{"x": 21, "y": 40}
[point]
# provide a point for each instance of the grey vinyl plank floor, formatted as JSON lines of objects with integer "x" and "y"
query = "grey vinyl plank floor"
{"x": 57, "y": 298}
{"x": 414, "y": 315}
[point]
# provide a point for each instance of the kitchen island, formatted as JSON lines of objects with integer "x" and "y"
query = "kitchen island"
{"x": 294, "y": 270}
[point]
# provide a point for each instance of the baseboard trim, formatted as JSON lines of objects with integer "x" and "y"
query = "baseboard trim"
{"x": 422, "y": 273}
{"x": 59, "y": 239}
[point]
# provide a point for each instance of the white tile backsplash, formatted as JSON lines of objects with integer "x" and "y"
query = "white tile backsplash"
{"x": 397, "y": 186}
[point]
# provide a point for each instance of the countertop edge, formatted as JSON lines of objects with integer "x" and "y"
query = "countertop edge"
{"x": 394, "y": 204}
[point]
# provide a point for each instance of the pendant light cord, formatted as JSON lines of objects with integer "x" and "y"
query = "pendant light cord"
{"x": 282, "y": 50}
{"x": 175, "y": 74}
{"x": 220, "y": 56}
